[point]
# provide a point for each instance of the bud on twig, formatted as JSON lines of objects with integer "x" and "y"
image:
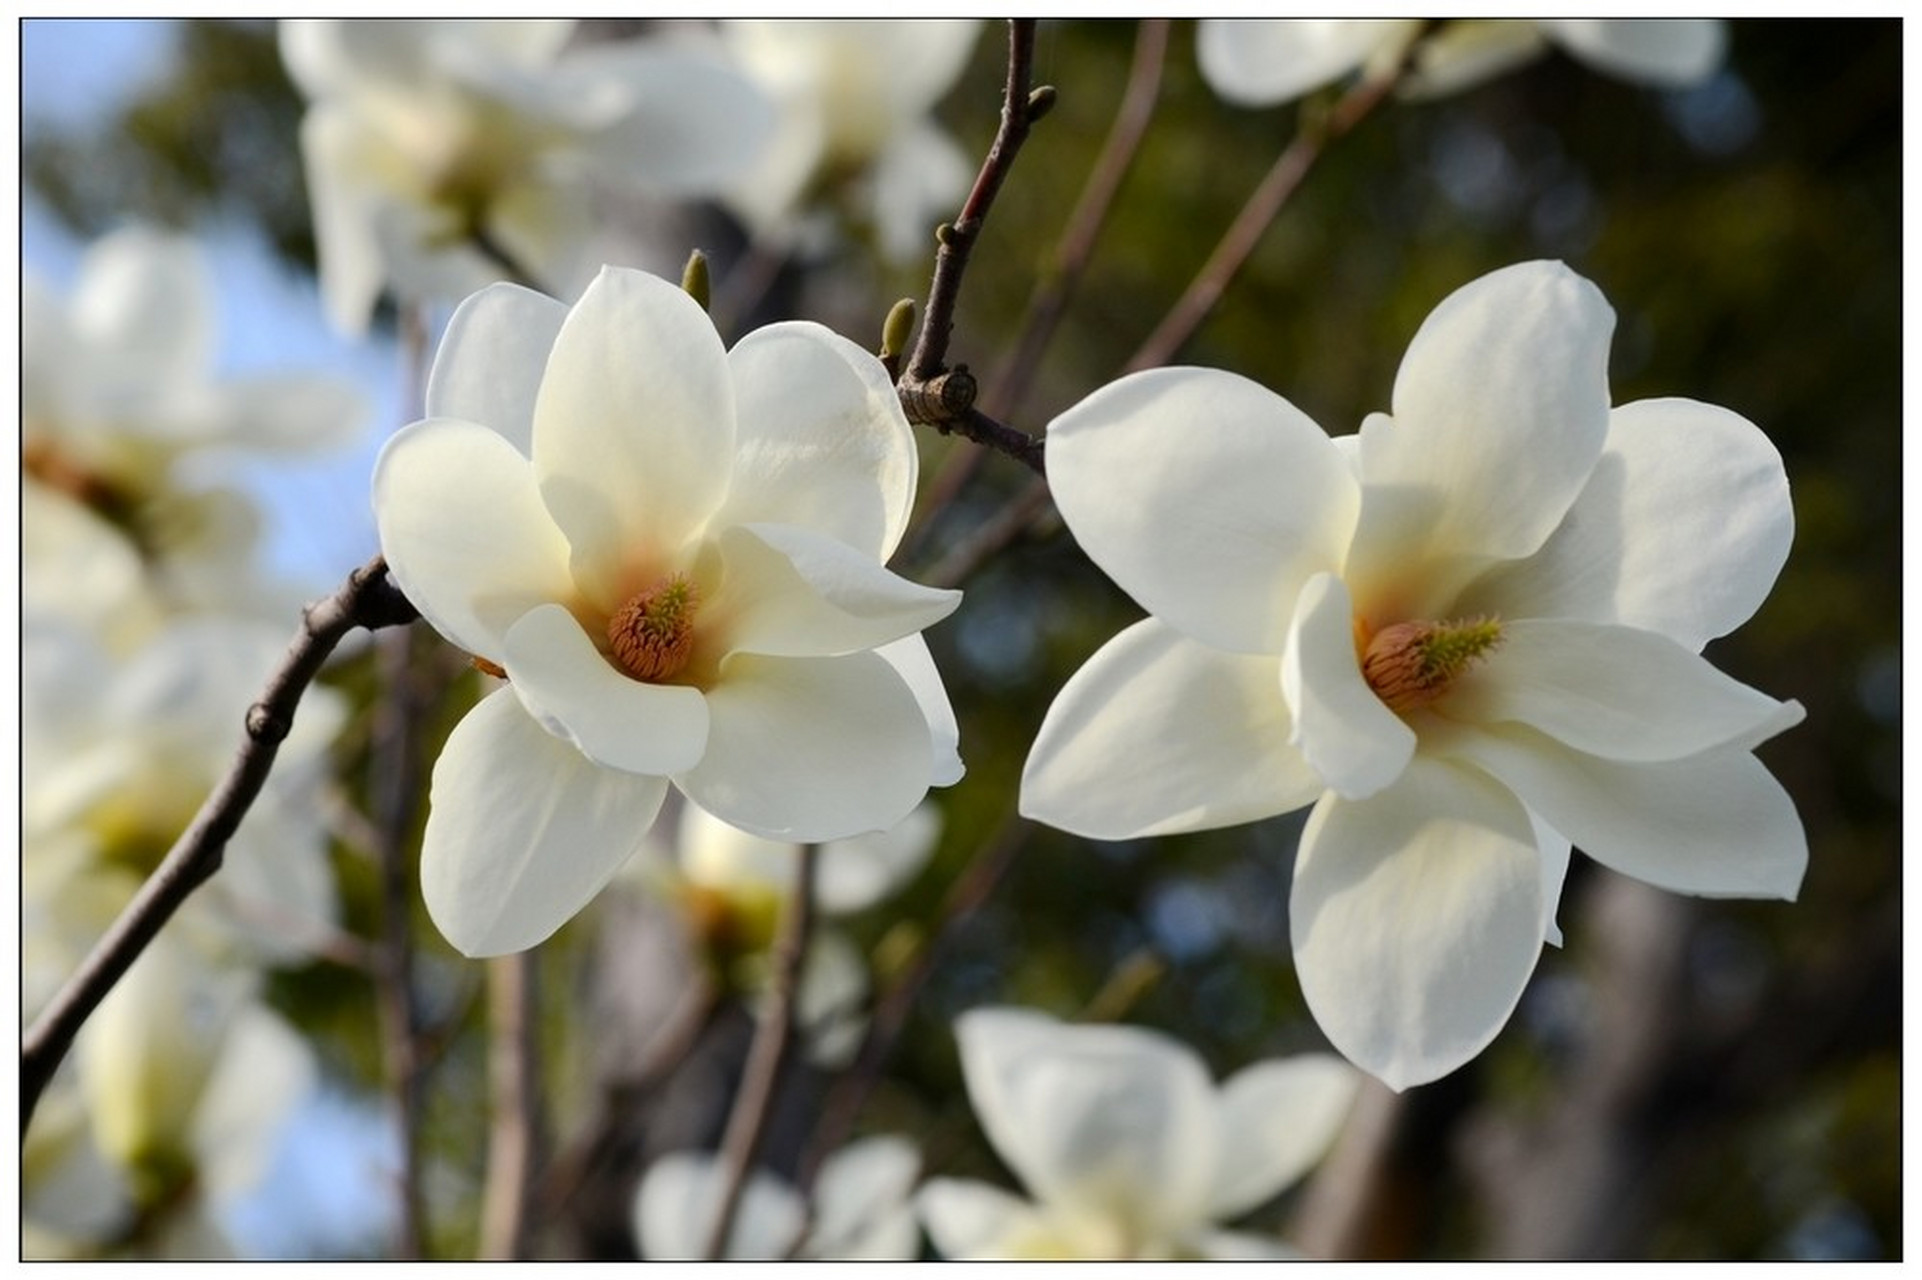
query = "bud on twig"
{"x": 694, "y": 279}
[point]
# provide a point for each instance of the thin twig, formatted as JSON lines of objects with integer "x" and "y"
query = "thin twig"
{"x": 1281, "y": 181}
{"x": 850, "y": 1093}
{"x": 768, "y": 1054}
{"x": 931, "y": 393}
{"x": 515, "y": 1134}
{"x": 368, "y": 600}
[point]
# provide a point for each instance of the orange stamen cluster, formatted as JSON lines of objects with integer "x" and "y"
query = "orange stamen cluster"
{"x": 1410, "y": 664}
{"x": 652, "y": 635}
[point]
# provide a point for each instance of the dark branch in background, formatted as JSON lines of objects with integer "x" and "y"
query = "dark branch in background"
{"x": 932, "y": 394}
{"x": 368, "y": 599}
{"x": 768, "y": 1055}
{"x": 1290, "y": 167}
{"x": 514, "y": 1137}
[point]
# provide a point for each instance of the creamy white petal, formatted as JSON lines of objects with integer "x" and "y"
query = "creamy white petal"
{"x": 522, "y": 830}
{"x": 266, "y": 1069}
{"x": 680, "y": 1196}
{"x": 969, "y": 1219}
{"x": 1207, "y": 497}
{"x": 577, "y": 695}
{"x": 1466, "y": 52}
{"x": 333, "y": 140}
{"x": 633, "y": 427}
{"x": 687, "y": 124}
{"x": 1612, "y": 691}
{"x": 860, "y": 871}
{"x": 491, "y": 360}
{"x": 1158, "y": 733}
{"x": 300, "y": 413}
{"x": 1416, "y": 916}
{"x": 821, "y": 440}
{"x": 1347, "y": 734}
{"x": 1500, "y": 411}
{"x": 1265, "y": 61}
{"x": 1681, "y": 529}
{"x": 715, "y": 855}
{"x": 1243, "y": 1246}
{"x": 911, "y": 660}
{"x": 861, "y": 1209}
{"x": 465, "y": 533}
{"x": 1097, "y": 1119}
{"x": 1556, "y": 852}
{"x": 1717, "y": 824}
{"x": 811, "y": 749}
{"x": 1277, "y": 1119}
{"x": 145, "y": 296}
{"x": 1668, "y": 53}
{"x": 791, "y": 593}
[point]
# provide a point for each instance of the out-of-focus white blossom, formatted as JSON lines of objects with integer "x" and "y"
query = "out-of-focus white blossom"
{"x": 854, "y": 100}
{"x": 1129, "y": 1149}
{"x": 861, "y": 1210}
{"x": 674, "y": 553}
{"x": 444, "y": 155}
{"x": 1260, "y": 62}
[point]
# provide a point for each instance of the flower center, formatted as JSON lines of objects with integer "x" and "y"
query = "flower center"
{"x": 1410, "y": 664}
{"x": 652, "y": 635}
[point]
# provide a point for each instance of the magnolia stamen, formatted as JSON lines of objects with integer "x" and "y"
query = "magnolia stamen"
{"x": 652, "y": 635}
{"x": 1410, "y": 664}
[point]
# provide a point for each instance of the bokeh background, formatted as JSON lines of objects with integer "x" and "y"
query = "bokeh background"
{"x": 1684, "y": 1079}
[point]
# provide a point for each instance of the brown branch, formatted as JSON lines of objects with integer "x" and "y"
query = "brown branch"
{"x": 931, "y": 393}
{"x": 768, "y": 1055}
{"x": 367, "y": 600}
{"x": 514, "y": 1137}
{"x": 1281, "y": 181}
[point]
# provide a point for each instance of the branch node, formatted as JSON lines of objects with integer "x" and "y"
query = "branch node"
{"x": 264, "y": 724}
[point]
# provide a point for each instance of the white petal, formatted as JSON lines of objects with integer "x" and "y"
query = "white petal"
{"x": 465, "y": 533}
{"x": 969, "y": 1219}
{"x": 1717, "y": 824}
{"x": 1668, "y": 53}
{"x": 856, "y": 873}
{"x": 1242, "y": 1246}
{"x": 831, "y": 1001}
{"x": 1463, "y": 53}
{"x": 861, "y": 1208}
{"x": 715, "y": 855}
{"x": 811, "y": 748}
{"x": 491, "y": 359}
{"x": 821, "y": 441}
{"x": 146, "y": 296}
{"x": 577, "y": 695}
{"x": 791, "y": 593}
{"x": 522, "y": 830}
{"x": 911, "y": 660}
{"x": 1266, "y": 61}
{"x": 1417, "y": 920}
{"x": 1556, "y": 853}
{"x": 1617, "y": 692}
{"x": 1157, "y": 734}
{"x": 916, "y": 178}
{"x": 301, "y": 413}
{"x": 266, "y": 1069}
{"x": 1207, "y": 497}
{"x": 1500, "y": 411}
{"x": 1347, "y": 734}
{"x": 675, "y": 1208}
{"x": 687, "y": 124}
{"x": 333, "y": 144}
{"x": 1104, "y": 1120}
{"x": 633, "y": 428}
{"x": 1681, "y": 529}
{"x": 1277, "y": 1119}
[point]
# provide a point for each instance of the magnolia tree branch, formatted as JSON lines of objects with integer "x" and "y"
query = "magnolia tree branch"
{"x": 368, "y": 599}
{"x": 932, "y": 393}
{"x": 1280, "y": 182}
{"x": 768, "y": 1055}
{"x": 514, "y": 1137}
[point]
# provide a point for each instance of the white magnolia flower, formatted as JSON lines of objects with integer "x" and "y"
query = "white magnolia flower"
{"x": 1468, "y": 636}
{"x": 1262, "y": 62}
{"x": 118, "y": 395}
{"x": 117, "y": 756}
{"x": 734, "y": 887}
{"x": 674, "y": 552}
{"x": 435, "y": 148}
{"x": 861, "y": 1208}
{"x": 1127, "y": 1145}
{"x": 854, "y": 100}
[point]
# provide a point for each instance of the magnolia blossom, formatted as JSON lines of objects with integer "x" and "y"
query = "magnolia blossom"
{"x": 854, "y": 101}
{"x": 1265, "y": 61}
{"x": 674, "y": 554}
{"x": 1468, "y": 635}
{"x": 181, "y": 1086}
{"x": 734, "y": 886}
{"x": 436, "y": 149}
{"x": 1128, "y": 1147}
{"x": 118, "y": 395}
{"x": 861, "y": 1211}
